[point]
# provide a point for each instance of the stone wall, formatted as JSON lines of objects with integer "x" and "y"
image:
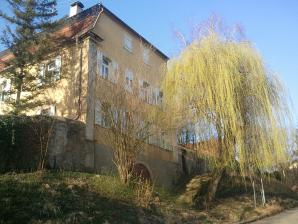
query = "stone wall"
{"x": 70, "y": 150}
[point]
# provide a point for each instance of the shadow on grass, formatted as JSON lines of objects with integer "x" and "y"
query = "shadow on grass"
{"x": 35, "y": 199}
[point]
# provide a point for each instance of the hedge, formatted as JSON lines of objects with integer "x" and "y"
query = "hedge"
{"x": 21, "y": 139}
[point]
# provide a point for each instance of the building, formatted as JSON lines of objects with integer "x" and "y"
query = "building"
{"x": 97, "y": 49}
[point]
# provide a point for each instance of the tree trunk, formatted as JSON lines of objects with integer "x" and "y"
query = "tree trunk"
{"x": 263, "y": 193}
{"x": 213, "y": 185}
{"x": 255, "y": 199}
{"x": 18, "y": 95}
{"x": 218, "y": 172}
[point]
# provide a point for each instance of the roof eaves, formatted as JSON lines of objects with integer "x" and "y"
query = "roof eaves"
{"x": 92, "y": 11}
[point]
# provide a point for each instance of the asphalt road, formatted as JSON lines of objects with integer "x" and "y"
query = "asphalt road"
{"x": 287, "y": 217}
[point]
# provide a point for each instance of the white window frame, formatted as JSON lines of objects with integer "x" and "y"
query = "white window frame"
{"x": 54, "y": 66}
{"x": 145, "y": 91}
{"x": 5, "y": 89}
{"x": 128, "y": 80}
{"x": 48, "y": 110}
{"x": 146, "y": 56}
{"x": 41, "y": 74}
{"x": 105, "y": 67}
{"x": 99, "y": 115}
{"x": 128, "y": 43}
{"x": 115, "y": 72}
{"x": 159, "y": 97}
{"x": 156, "y": 96}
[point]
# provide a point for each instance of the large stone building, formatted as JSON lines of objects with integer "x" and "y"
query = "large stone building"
{"x": 98, "y": 48}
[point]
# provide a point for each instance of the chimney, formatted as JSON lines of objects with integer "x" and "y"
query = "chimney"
{"x": 76, "y": 8}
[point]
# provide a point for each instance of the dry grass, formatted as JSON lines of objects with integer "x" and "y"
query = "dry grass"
{"x": 67, "y": 197}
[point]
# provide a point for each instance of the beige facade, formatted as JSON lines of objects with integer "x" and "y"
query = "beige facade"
{"x": 102, "y": 52}
{"x": 75, "y": 59}
{"x": 99, "y": 41}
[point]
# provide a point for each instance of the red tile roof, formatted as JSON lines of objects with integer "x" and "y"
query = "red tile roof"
{"x": 69, "y": 29}
{"x": 79, "y": 25}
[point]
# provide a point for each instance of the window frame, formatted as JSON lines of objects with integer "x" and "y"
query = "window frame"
{"x": 105, "y": 67}
{"x": 128, "y": 77}
{"x": 50, "y": 110}
{"x": 128, "y": 43}
{"x": 50, "y": 71}
{"x": 5, "y": 89}
{"x": 146, "y": 56}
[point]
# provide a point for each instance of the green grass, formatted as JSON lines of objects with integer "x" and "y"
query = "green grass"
{"x": 65, "y": 197}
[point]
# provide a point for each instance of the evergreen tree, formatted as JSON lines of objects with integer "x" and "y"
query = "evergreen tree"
{"x": 28, "y": 38}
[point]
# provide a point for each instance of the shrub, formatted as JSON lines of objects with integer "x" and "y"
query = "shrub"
{"x": 22, "y": 142}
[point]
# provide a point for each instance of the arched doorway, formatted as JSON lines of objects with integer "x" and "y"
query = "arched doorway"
{"x": 141, "y": 171}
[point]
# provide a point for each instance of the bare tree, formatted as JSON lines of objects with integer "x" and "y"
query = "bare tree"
{"x": 127, "y": 110}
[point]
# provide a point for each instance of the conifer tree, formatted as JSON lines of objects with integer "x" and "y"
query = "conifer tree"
{"x": 28, "y": 39}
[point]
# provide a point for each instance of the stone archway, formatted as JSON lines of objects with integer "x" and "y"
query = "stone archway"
{"x": 140, "y": 170}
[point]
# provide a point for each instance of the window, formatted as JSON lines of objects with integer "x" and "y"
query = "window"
{"x": 102, "y": 114}
{"x": 128, "y": 43}
{"x": 54, "y": 69}
{"x": 105, "y": 67}
{"x": 48, "y": 111}
{"x": 146, "y": 56}
{"x": 114, "y": 76}
{"x": 128, "y": 80}
{"x": 157, "y": 96}
{"x": 50, "y": 72}
{"x": 153, "y": 96}
{"x": 150, "y": 94}
{"x": 142, "y": 89}
{"x": 98, "y": 113}
{"x": 4, "y": 89}
{"x": 42, "y": 74}
{"x": 160, "y": 96}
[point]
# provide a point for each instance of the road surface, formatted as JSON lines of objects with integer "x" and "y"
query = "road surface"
{"x": 286, "y": 217}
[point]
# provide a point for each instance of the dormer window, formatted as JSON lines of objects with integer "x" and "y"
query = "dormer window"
{"x": 127, "y": 43}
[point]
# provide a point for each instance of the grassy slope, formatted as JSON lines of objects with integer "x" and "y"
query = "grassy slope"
{"x": 67, "y": 197}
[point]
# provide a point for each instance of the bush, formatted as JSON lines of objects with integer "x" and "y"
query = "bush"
{"x": 144, "y": 193}
{"x": 22, "y": 140}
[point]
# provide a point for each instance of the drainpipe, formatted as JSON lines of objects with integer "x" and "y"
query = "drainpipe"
{"x": 97, "y": 18}
{"x": 80, "y": 48}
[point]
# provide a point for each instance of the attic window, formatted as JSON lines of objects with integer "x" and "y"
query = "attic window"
{"x": 127, "y": 43}
{"x": 146, "y": 56}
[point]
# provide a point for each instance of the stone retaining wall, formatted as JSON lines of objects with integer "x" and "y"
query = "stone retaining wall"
{"x": 70, "y": 150}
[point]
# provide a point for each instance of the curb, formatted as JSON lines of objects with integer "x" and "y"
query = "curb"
{"x": 266, "y": 216}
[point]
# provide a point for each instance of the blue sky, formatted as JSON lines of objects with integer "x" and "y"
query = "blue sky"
{"x": 272, "y": 25}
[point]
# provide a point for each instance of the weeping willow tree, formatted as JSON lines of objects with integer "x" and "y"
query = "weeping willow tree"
{"x": 223, "y": 87}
